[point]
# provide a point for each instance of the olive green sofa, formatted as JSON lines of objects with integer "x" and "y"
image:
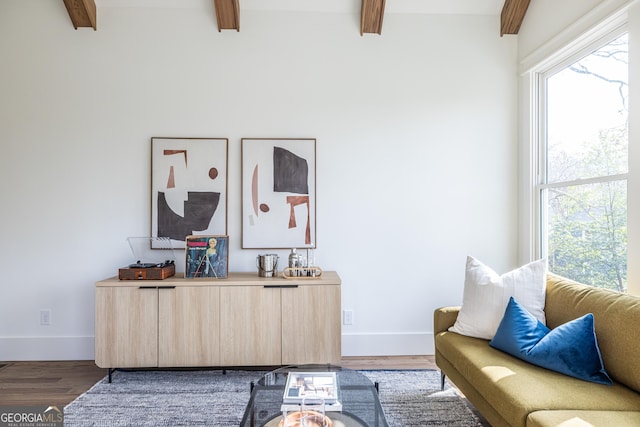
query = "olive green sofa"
{"x": 510, "y": 392}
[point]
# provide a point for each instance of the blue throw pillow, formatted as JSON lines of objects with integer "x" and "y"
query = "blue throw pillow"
{"x": 571, "y": 348}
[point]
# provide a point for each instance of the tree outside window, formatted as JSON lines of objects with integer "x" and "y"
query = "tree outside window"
{"x": 583, "y": 188}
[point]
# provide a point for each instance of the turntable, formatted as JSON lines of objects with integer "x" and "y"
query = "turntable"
{"x": 155, "y": 259}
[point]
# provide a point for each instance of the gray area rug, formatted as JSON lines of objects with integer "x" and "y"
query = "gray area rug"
{"x": 211, "y": 398}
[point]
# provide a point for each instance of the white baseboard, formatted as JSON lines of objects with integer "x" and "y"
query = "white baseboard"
{"x": 46, "y": 348}
{"x": 388, "y": 344}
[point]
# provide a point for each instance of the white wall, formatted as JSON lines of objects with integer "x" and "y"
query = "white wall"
{"x": 415, "y": 147}
{"x": 533, "y": 34}
{"x": 536, "y": 43}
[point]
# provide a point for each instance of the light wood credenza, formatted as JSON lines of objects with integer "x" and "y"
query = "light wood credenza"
{"x": 243, "y": 320}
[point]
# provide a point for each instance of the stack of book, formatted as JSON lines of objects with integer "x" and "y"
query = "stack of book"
{"x": 310, "y": 389}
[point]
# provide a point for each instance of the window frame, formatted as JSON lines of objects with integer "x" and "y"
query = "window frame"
{"x": 588, "y": 44}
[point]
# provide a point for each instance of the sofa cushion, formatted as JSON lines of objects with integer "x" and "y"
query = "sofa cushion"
{"x": 583, "y": 418}
{"x": 571, "y": 348}
{"x": 616, "y": 317}
{"x": 486, "y": 295}
{"x": 515, "y": 388}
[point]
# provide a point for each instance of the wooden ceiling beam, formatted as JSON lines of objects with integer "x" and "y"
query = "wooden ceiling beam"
{"x": 371, "y": 16}
{"x": 513, "y": 13}
{"x": 82, "y": 13}
{"x": 228, "y": 14}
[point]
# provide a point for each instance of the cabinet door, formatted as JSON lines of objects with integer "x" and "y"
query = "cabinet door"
{"x": 250, "y": 326}
{"x": 126, "y": 327}
{"x": 311, "y": 331}
{"x": 189, "y": 326}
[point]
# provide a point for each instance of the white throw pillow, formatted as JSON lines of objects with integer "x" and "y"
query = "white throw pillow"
{"x": 486, "y": 296}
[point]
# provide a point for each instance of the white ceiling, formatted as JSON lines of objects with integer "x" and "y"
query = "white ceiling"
{"x": 460, "y": 7}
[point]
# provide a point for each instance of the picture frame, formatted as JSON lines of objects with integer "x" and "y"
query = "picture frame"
{"x": 278, "y": 193}
{"x": 189, "y": 186}
{"x": 206, "y": 256}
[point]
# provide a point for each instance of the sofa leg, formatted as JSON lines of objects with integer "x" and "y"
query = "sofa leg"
{"x": 442, "y": 376}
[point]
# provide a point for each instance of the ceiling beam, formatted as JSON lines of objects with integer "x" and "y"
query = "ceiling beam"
{"x": 228, "y": 14}
{"x": 82, "y": 13}
{"x": 371, "y": 16}
{"x": 513, "y": 13}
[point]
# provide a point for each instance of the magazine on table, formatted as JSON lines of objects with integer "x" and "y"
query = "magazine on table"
{"x": 309, "y": 387}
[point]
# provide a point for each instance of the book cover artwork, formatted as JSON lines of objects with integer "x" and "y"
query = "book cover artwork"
{"x": 304, "y": 386}
{"x": 207, "y": 256}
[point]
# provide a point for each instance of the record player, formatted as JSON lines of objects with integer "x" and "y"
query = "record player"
{"x": 155, "y": 259}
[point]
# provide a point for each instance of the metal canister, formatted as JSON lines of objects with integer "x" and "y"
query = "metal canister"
{"x": 267, "y": 265}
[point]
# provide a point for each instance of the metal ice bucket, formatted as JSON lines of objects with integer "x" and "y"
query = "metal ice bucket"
{"x": 267, "y": 265}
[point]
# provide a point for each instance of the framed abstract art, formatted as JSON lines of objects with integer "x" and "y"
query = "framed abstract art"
{"x": 278, "y": 193}
{"x": 188, "y": 187}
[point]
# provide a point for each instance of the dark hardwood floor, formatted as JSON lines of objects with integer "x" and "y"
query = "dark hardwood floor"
{"x": 57, "y": 383}
{"x": 46, "y": 383}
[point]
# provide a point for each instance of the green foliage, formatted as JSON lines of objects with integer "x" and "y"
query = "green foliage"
{"x": 588, "y": 223}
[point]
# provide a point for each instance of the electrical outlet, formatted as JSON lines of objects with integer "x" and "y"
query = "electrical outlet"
{"x": 45, "y": 317}
{"x": 347, "y": 317}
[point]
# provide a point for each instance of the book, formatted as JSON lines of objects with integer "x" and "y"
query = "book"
{"x": 311, "y": 387}
{"x": 296, "y": 407}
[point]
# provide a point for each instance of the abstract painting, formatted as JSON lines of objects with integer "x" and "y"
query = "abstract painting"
{"x": 278, "y": 193}
{"x": 188, "y": 187}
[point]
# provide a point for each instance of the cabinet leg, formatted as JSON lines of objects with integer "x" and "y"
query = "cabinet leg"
{"x": 377, "y": 386}
{"x": 110, "y": 372}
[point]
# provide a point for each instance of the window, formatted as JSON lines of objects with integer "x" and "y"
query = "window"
{"x": 582, "y": 184}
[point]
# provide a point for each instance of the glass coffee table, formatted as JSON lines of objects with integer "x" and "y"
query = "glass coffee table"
{"x": 357, "y": 394}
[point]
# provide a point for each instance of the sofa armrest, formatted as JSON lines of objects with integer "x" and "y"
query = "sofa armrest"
{"x": 444, "y": 318}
